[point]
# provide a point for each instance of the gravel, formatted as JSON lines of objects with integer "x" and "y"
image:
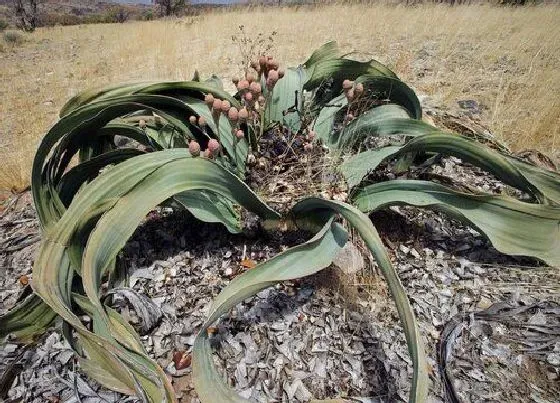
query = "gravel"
{"x": 335, "y": 334}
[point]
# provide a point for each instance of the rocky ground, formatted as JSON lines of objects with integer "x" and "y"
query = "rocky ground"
{"x": 491, "y": 322}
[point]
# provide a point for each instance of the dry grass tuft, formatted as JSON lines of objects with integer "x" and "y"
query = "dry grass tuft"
{"x": 507, "y": 59}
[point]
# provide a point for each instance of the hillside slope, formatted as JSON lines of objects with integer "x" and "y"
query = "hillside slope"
{"x": 77, "y": 8}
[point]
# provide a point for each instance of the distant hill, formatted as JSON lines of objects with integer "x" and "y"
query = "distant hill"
{"x": 192, "y": 1}
{"x": 134, "y": 1}
{"x": 71, "y": 12}
{"x": 77, "y": 7}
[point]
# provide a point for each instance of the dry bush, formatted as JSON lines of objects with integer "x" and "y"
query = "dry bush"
{"x": 13, "y": 38}
{"x": 505, "y": 58}
{"x": 52, "y": 19}
{"x": 118, "y": 15}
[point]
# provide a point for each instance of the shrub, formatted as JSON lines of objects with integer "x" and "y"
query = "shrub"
{"x": 170, "y": 7}
{"x": 117, "y": 15}
{"x": 3, "y": 25}
{"x": 148, "y": 15}
{"x": 194, "y": 154}
{"x": 13, "y": 38}
{"x": 54, "y": 19}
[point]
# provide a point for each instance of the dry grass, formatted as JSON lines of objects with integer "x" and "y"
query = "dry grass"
{"x": 506, "y": 59}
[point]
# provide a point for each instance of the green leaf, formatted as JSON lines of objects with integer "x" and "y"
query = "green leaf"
{"x": 279, "y": 108}
{"x": 339, "y": 70}
{"x": 126, "y": 193}
{"x": 93, "y": 147}
{"x": 360, "y": 165}
{"x": 96, "y": 93}
{"x": 324, "y": 124}
{"x": 388, "y": 126}
{"x": 369, "y": 124}
{"x": 393, "y": 89}
{"x": 174, "y": 174}
{"x": 209, "y": 207}
{"x": 543, "y": 185}
{"x": 71, "y": 181}
{"x": 132, "y": 340}
{"x": 189, "y": 88}
{"x": 104, "y": 365}
{"x": 173, "y": 167}
{"x": 105, "y": 368}
{"x": 368, "y": 233}
{"x": 328, "y": 51}
{"x": 385, "y": 120}
{"x": 547, "y": 182}
{"x": 503, "y": 167}
{"x": 326, "y": 73}
{"x": 297, "y": 262}
{"x": 27, "y": 320}
{"x": 513, "y": 227}
{"x": 71, "y": 132}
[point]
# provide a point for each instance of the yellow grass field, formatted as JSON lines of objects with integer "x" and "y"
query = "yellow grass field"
{"x": 506, "y": 59}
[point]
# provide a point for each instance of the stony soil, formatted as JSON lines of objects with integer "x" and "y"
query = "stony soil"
{"x": 335, "y": 334}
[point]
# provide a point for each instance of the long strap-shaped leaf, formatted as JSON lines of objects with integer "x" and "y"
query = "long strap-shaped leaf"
{"x": 548, "y": 182}
{"x": 360, "y": 165}
{"x": 85, "y": 132}
{"x": 205, "y": 206}
{"x": 286, "y": 102}
{"x": 190, "y": 88}
{"x": 86, "y": 171}
{"x": 327, "y": 51}
{"x": 513, "y": 227}
{"x": 367, "y": 231}
{"x": 104, "y": 192}
{"x": 31, "y": 317}
{"x": 210, "y": 207}
{"x": 394, "y": 90}
{"x": 171, "y": 177}
{"x": 326, "y": 73}
{"x": 184, "y": 101}
{"x": 98, "y": 365}
{"x": 135, "y": 186}
{"x": 121, "y": 368}
{"x": 300, "y": 261}
{"x": 74, "y": 131}
{"x": 83, "y": 122}
{"x": 543, "y": 185}
{"x": 324, "y": 124}
{"x": 168, "y": 179}
{"x": 340, "y": 69}
{"x": 27, "y": 320}
{"x": 369, "y": 124}
{"x": 96, "y": 93}
{"x": 384, "y": 120}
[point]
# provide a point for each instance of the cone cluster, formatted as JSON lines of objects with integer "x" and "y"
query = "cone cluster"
{"x": 267, "y": 71}
{"x": 352, "y": 90}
